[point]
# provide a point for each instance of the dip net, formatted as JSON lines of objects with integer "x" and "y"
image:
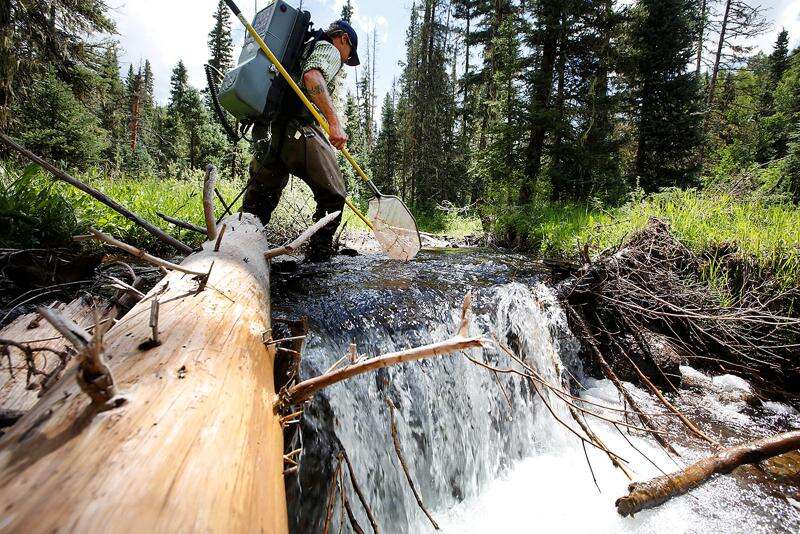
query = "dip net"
{"x": 394, "y": 227}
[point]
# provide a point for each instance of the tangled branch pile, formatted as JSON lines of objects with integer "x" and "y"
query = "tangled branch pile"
{"x": 652, "y": 296}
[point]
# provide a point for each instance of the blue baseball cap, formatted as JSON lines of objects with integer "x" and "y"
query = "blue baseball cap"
{"x": 345, "y": 26}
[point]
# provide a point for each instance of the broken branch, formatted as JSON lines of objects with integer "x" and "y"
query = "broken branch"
{"x": 208, "y": 202}
{"x": 306, "y": 389}
{"x": 94, "y": 377}
{"x": 402, "y": 459}
{"x": 182, "y": 224}
{"x": 305, "y": 236}
{"x": 644, "y": 495}
{"x": 142, "y": 255}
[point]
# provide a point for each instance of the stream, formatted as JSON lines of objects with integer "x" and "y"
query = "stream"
{"x": 484, "y": 451}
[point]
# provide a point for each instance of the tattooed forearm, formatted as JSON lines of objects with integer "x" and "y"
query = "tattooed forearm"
{"x": 317, "y": 90}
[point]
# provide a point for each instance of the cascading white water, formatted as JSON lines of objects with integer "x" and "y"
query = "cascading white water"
{"x": 485, "y": 453}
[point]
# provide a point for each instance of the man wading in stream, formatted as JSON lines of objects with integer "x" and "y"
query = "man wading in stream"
{"x": 295, "y": 144}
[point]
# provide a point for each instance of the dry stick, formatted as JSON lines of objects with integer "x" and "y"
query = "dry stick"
{"x": 154, "y": 305}
{"x": 644, "y": 495}
{"x": 94, "y": 377}
{"x": 125, "y": 287}
{"x": 599, "y": 443}
{"x": 305, "y": 236}
{"x": 346, "y": 502}
{"x": 645, "y": 348}
{"x": 142, "y": 255}
{"x": 331, "y": 498}
{"x": 225, "y": 205}
{"x": 671, "y": 407}
{"x": 360, "y": 494}
{"x": 306, "y": 389}
{"x": 402, "y": 459}
{"x": 208, "y": 202}
{"x": 182, "y": 224}
{"x": 111, "y": 203}
{"x": 219, "y": 237}
{"x": 603, "y": 364}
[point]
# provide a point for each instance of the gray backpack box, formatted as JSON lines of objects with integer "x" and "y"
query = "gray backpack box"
{"x": 254, "y": 89}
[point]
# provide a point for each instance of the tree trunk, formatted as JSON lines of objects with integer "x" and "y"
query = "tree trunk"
{"x": 644, "y": 495}
{"x": 715, "y": 71}
{"x": 701, "y": 36}
{"x": 543, "y": 86}
{"x": 196, "y": 446}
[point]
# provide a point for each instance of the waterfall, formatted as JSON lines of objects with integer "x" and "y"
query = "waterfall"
{"x": 483, "y": 450}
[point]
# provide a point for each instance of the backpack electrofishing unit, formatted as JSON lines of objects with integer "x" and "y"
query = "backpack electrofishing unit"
{"x": 254, "y": 91}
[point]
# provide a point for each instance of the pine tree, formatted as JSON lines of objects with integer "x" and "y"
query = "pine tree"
{"x": 38, "y": 37}
{"x": 220, "y": 42}
{"x": 58, "y": 125}
{"x": 426, "y": 110}
{"x": 665, "y": 95}
{"x": 385, "y": 160}
{"x": 779, "y": 59}
{"x": 499, "y": 165}
{"x": 111, "y": 115}
{"x": 179, "y": 85}
{"x": 546, "y": 32}
{"x": 347, "y": 11}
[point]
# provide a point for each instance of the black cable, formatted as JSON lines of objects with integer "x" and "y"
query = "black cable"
{"x": 223, "y": 119}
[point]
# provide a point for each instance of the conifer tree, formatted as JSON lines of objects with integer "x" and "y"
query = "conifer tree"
{"x": 665, "y": 93}
{"x": 220, "y": 42}
{"x": 111, "y": 115}
{"x": 386, "y": 149}
{"x": 58, "y": 125}
{"x": 347, "y": 11}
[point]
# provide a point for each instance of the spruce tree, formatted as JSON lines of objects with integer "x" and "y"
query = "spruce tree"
{"x": 220, "y": 42}
{"x": 179, "y": 84}
{"x": 664, "y": 93}
{"x": 58, "y": 125}
{"x": 111, "y": 115}
{"x": 779, "y": 59}
{"x": 385, "y": 160}
{"x": 347, "y": 11}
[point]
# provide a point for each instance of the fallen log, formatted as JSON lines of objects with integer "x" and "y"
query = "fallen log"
{"x": 644, "y": 495}
{"x": 196, "y": 446}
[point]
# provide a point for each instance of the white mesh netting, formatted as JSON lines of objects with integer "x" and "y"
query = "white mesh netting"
{"x": 395, "y": 227}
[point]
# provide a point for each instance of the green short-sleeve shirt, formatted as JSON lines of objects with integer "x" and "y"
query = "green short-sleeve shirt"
{"x": 326, "y": 59}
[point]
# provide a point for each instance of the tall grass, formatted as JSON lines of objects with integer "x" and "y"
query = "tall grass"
{"x": 47, "y": 212}
{"x": 767, "y": 234}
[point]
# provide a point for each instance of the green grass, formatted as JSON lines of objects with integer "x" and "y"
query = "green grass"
{"x": 449, "y": 223}
{"x": 47, "y": 212}
{"x": 769, "y": 234}
{"x": 38, "y": 211}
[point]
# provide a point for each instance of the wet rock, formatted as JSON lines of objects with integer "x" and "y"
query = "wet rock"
{"x": 727, "y": 388}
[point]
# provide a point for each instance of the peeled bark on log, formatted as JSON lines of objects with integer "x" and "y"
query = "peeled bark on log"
{"x": 644, "y": 495}
{"x": 196, "y": 447}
